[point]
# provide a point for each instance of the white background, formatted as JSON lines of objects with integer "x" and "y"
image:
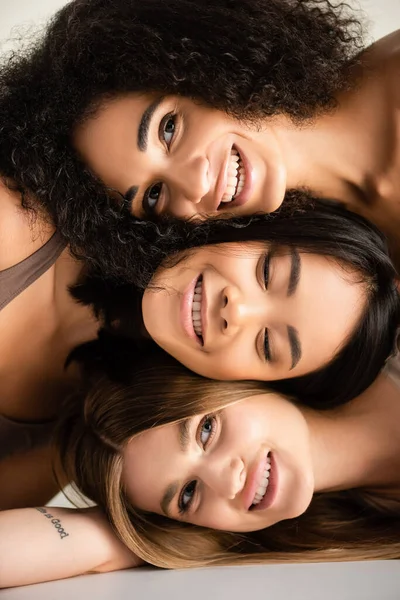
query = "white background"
{"x": 384, "y": 15}
{"x": 371, "y": 581}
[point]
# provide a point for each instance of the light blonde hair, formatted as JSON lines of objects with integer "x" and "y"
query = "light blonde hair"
{"x": 93, "y": 432}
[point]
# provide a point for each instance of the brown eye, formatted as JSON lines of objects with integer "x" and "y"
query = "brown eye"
{"x": 151, "y": 198}
{"x": 167, "y": 129}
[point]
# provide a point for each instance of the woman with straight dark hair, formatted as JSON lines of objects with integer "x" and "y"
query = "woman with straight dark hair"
{"x": 289, "y": 299}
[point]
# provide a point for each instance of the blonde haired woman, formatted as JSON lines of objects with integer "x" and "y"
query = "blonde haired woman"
{"x": 201, "y": 472}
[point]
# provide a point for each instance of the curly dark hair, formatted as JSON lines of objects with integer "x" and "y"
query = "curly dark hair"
{"x": 249, "y": 58}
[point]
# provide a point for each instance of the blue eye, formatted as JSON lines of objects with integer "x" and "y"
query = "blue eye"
{"x": 205, "y": 433}
{"x": 151, "y": 198}
{"x": 167, "y": 128}
{"x": 186, "y": 496}
{"x": 206, "y": 430}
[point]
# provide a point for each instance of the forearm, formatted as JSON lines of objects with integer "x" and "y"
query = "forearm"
{"x": 54, "y": 543}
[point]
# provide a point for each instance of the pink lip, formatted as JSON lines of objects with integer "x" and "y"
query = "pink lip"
{"x": 186, "y": 311}
{"x": 254, "y": 480}
{"x": 246, "y": 192}
{"x": 204, "y": 321}
{"x": 272, "y": 488}
{"x": 222, "y": 180}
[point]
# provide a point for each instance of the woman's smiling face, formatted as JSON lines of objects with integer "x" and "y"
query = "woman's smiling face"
{"x": 172, "y": 156}
{"x": 251, "y": 311}
{"x": 243, "y": 468}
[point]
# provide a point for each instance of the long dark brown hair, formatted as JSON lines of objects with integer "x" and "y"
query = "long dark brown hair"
{"x": 94, "y": 430}
{"x": 327, "y": 230}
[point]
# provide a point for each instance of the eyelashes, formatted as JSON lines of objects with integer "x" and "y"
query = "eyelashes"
{"x": 167, "y": 128}
{"x": 267, "y": 260}
{"x": 166, "y": 133}
{"x": 204, "y": 436}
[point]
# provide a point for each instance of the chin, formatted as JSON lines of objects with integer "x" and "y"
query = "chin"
{"x": 303, "y": 503}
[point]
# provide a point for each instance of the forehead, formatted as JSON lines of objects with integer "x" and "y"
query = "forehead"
{"x": 146, "y": 457}
{"x": 233, "y": 250}
{"x": 137, "y": 102}
{"x": 121, "y": 102}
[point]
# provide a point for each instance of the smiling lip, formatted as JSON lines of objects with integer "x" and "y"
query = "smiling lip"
{"x": 270, "y": 494}
{"x": 204, "y": 322}
{"x": 186, "y": 311}
{"x": 246, "y": 192}
{"x": 222, "y": 181}
{"x": 253, "y": 481}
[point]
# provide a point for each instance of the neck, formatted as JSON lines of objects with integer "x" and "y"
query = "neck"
{"x": 358, "y": 445}
{"x": 345, "y": 153}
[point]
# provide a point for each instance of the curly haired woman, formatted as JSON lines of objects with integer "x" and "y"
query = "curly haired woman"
{"x": 176, "y": 113}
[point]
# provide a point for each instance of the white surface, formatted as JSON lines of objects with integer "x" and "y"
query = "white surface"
{"x": 25, "y": 12}
{"x": 384, "y": 15}
{"x": 347, "y": 581}
{"x": 361, "y": 581}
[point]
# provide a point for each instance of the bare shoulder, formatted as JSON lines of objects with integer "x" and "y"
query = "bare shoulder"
{"x": 383, "y": 57}
{"x": 21, "y": 232}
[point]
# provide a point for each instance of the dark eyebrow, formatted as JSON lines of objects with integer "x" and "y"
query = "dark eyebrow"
{"x": 142, "y": 138}
{"x": 295, "y": 271}
{"x": 295, "y": 346}
{"x": 172, "y": 489}
{"x": 144, "y": 125}
{"x": 130, "y": 195}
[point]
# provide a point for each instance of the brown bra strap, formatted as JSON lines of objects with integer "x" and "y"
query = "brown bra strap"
{"x": 15, "y": 279}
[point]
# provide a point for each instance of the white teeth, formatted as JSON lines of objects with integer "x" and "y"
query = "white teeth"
{"x": 263, "y": 484}
{"x": 196, "y": 309}
{"x": 236, "y": 177}
{"x": 233, "y": 170}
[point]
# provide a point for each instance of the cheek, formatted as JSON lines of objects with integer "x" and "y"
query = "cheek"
{"x": 337, "y": 314}
{"x": 160, "y": 312}
{"x": 209, "y": 124}
{"x": 226, "y": 364}
{"x": 149, "y": 312}
{"x": 218, "y": 514}
{"x": 139, "y": 484}
{"x": 329, "y": 314}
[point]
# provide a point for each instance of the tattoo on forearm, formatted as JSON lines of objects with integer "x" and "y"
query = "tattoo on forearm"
{"x": 55, "y": 522}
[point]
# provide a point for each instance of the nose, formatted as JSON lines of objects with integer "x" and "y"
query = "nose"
{"x": 225, "y": 475}
{"x": 240, "y": 309}
{"x": 190, "y": 179}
